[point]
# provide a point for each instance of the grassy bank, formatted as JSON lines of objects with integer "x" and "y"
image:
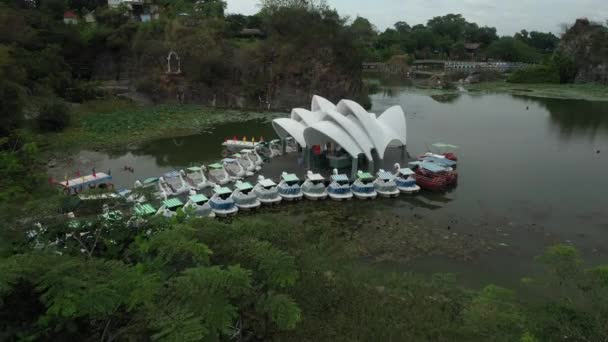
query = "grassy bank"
{"x": 590, "y": 92}
{"x": 118, "y": 124}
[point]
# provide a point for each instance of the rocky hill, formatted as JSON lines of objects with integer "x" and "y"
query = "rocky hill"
{"x": 586, "y": 43}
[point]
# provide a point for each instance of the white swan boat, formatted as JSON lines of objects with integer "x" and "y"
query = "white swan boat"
{"x": 406, "y": 183}
{"x": 275, "y": 148}
{"x": 235, "y": 170}
{"x": 222, "y": 203}
{"x": 246, "y": 163}
{"x": 255, "y": 158}
{"x": 195, "y": 176}
{"x": 385, "y": 184}
{"x": 291, "y": 145}
{"x": 314, "y": 187}
{"x": 173, "y": 183}
{"x": 289, "y": 187}
{"x": 339, "y": 188}
{"x": 199, "y": 204}
{"x": 267, "y": 191}
{"x": 244, "y": 196}
{"x": 218, "y": 174}
{"x": 170, "y": 207}
{"x": 363, "y": 187}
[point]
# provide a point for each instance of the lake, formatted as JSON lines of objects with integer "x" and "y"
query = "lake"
{"x": 532, "y": 174}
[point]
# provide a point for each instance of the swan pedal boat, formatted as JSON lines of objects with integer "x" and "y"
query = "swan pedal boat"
{"x": 267, "y": 191}
{"x": 222, "y": 203}
{"x": 234, "y": 168}
{"x": 200, "y": 205}
{"x": 363, "y": 188}
{"x": 339, "y": 188}
{"x": 289, "y": 187}
{"x": 196, "y": 177}
{"x": 170, "y": 207}
{"x": 218, "y": 174}
{"x": 244, "y": 196}
{"x": 314, "y": 187}
{"x": 385, "y": 184}
{"x": 406, "y": 183}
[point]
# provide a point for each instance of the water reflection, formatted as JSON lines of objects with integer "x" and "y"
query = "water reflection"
{"x": 205, "y": 147}
{"x": 577, "y": 117}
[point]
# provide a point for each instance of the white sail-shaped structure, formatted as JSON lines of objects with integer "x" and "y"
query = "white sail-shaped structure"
{"x": 346, "y": 124}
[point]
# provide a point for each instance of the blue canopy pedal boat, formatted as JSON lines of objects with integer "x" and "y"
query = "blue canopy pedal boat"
{"x": 222, "y": 203}
{"x": 385, "y": 184}
{"x": 200, "y": 205}
{"x": 314, "y": 187}
{"x": 339, "y": 188}
{"x": 289, "y": 187}
{"x": 406, "y": 183}
{"x": 244, "y": 196}
{"x": 363, "y": 187}
{"x": 218, "y": 174}
{"x": 267, "y": 192}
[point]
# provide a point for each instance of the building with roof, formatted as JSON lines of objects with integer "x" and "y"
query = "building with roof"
{"x": 345, "y": 131}
{"x": 70, "y": 17}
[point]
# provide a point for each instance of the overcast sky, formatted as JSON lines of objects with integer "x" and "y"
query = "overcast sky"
{"x": 508, "y": 16}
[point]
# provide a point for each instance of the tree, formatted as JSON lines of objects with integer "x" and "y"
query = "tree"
{"x": 211, "y": 8}
{"x": 451, "y": 25}
{"x": 53, "y": 116}
{"x": 513, "y": 50}
{"x": 11, "y": 106}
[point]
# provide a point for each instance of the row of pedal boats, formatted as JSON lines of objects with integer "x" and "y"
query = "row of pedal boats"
{"x": 245, "y": 196}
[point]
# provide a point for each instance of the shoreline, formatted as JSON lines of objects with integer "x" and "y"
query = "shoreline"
{"x": 587, "y": 92}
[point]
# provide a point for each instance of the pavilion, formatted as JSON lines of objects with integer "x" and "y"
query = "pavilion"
{"x": 345, "y": 131}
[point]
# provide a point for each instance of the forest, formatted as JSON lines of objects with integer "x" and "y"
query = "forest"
{"x": 111, "y": 276}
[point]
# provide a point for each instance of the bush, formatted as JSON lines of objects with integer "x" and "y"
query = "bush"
{"x": 535, "y": 74}
{"x": 53, "y": 116}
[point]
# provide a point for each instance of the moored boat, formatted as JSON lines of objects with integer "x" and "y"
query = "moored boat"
{"x": 385, "y": 184}
{"x": 291, "y": 145}
{"x": 244, "y": 196}
{"x": 222, "y": 203}
{"x": 199, "y": 204}
{"x": 218, "y": 174}
{"x": 173, "y": 183}
{"x": 439, "y": 160}
{"x": 141, "y": 188}
{"x": 195, "y": 176}
{"x": 435, "y": 177}
{"x": 144, "y": 209}
{"x": 275, "y": 148}
{"x": 406, "y": 183}
{"x": 289, "y": 187}
{"x": 363, "y": 187}
{"x": 254, "y": 157}
{"x": 235, "y": 170}
{"x": 267, "y": 192}
{"x": 246, "y": 163}
{"x": 95, "y": 181}
{"x": 339, "y": 188}
{"x": 314, "y": 187}
{"x": 441, "y": 150}
{"x": 170, "y": 207}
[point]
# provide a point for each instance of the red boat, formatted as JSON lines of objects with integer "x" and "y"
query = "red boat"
{"x": 434, "y": 177}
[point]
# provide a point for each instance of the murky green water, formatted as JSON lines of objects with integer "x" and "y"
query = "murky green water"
{"x": 532, "y": 173}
